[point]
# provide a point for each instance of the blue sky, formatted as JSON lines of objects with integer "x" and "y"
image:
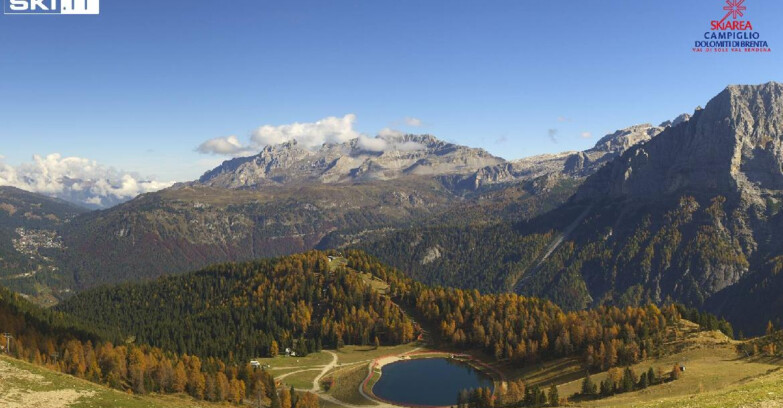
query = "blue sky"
{"x": 140, "y": 86}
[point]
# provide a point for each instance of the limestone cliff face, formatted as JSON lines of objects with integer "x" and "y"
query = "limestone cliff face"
{"x": 732, "y": 147}
{"x": 623, "y": 139}
{"x": 692, "y": 211}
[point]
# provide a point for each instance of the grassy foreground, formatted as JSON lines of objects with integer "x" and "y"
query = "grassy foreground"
{"x": 24, "y": 385}
{"x": 715, "y": 376}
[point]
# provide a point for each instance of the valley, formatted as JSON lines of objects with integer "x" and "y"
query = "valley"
{"x": 716, "y": 368}
{"x": 290, "y": 199}
{"x": 293, "y": 278}
{"x": 390, "y": 204}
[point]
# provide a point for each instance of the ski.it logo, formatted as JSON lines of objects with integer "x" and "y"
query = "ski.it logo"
{"x": 51, "y": 6}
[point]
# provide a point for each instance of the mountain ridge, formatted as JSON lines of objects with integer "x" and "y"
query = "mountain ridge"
{"x": 290, "y": 199}
{"x": 409, "y": 154}
{"x": 726, "y": 140}
{"x": 690, "y": 215}
{"x": 352, "y": 161}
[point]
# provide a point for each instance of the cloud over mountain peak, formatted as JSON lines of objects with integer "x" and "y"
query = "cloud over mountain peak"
{"x": 331, "y": 130}
{"x": 78, "y": 180}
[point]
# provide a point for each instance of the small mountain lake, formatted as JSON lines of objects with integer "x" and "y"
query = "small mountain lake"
{"x": 428, "y": 381}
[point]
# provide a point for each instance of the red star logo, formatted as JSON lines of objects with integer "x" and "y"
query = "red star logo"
{"x": 734, "y": 9}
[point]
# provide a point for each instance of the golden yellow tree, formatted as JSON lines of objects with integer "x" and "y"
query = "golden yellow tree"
{"x": 180, "y": 379}
{"x": 308, "y": 400}
{"x": 285, "y": 398}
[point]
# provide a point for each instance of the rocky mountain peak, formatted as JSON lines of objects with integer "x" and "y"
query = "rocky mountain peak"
{"x": 381, "y": 158}
{"x": 732, "y": 146}
{"x": 676, "y": 121}
{"x": 623, "y": 139}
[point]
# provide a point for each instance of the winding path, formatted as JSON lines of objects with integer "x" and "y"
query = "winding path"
{"x": 316, "y": 389}
{"x": 372, "y": 402}
{"x": 369, "y": 375}
{"x": 326, "y": 369}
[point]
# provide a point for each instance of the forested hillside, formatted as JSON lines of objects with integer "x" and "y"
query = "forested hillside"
{"x": 186, "y": 228}
{"x": 62, "y": 343}
{"x": 485, "y": 257}
{"x": 601, "y": 262}
{"x": 245, "y": 310}
{"x": 526, "y": 330}
{"x": 237, "y": 311}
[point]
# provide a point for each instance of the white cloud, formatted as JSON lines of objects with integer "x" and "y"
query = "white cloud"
{"x": 388, "y": 140}
{"x": 389, "y": 133}
{"x": 372, "y": 144}
{"x": 77, "y": 180}
{"x": 228, "y": 145}
{"x": 312, "y": 135}
{"x": 96, "y": 201}
{"x": 408, "y": 146}
{"x": 415, "y": 122}
{"x": 585, "y": 135}
{"x": 331, "y": 130}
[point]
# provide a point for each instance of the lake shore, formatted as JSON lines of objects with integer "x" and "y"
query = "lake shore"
{"x": 376, "y": 366}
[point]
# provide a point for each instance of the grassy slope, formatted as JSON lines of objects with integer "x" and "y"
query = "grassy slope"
{"x": 301, "y": 380}
{"x": 346, "y": 384}
{"x": 715, "y": 376}
{"x": 25, "y": 385}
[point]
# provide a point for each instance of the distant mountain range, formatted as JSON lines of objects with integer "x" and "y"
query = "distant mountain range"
{"x": 463, "y": 168}
{"x": 289, "y": 199}
{"x": 688, "y": 210}
{"x": 350, "y": 162}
